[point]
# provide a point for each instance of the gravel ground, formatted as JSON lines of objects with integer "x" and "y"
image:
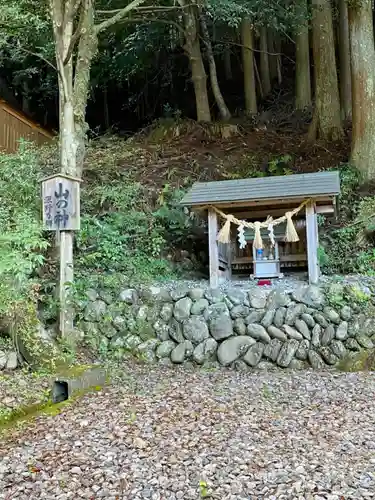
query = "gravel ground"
{"x": 166, "y": 434}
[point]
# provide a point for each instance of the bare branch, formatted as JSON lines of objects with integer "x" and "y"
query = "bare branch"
{"x": 35, "y": 54}
{"x": 120, "y": 15}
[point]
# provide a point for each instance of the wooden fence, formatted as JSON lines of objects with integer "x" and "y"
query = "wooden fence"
{"x": 15, "y": 126}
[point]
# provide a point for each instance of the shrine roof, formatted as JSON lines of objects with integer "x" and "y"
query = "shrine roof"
{"x": 315, "y": 185}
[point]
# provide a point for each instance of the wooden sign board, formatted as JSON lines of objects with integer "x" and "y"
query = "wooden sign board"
{"x": 61, "y": 203}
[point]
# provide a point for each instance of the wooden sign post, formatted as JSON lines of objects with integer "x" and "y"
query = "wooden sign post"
{"x": 61, "y": 213}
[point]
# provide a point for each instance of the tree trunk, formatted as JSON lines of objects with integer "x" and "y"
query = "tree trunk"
{"x": 248, "y": 67}
{"x": 227, "y": 63}
{"x": 363, "y": 87}
{"x": 223, "y": 109}
{"x": 264, "y": 62}
{"x": 327, "y": 101}
{"x": 198, "y": 73}
{"x": 303, "y": 81}
{"x": 272, "y": 57}
{"x": 344, "y": 57}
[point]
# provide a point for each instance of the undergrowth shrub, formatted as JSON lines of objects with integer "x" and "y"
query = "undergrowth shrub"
{"x": 347, "y": 247}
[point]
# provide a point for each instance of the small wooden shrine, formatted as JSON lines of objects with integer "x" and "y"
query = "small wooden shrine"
{"x": 269, "y": 223}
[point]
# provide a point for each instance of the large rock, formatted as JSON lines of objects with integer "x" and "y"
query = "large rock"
{"x": 308, "y": 319}
{"x": 352, "y": 345}
{"x": 315, "y": 360}
{"x": 346, "y": 313}
{"x": 287, "y": 352}
{"x": 233, "y": 348}
{"x": 279, "y": 317}
{"x": 364, "y": 341}
{"x": 196, "y": 293}
{"x": 161, "y": 329}
{"x": 175, "y": 331}
{"x": 166, "y": 312}
{"x": 292, "y": 332}
{"x": 302, "y": 327}
{"x": 276, "y": 333}
{"x": 237, "y": 297}
{"x": 195, "y": 329}
{"x": 303, "y": 350}
{"x": 3, "y": 360}
{"x": 258, "y": 332}
{"x": 95, "y": 311}
{"x": 165, "y": 348}
{"x": 205, "y": 351}
{"x": 268, "y": 318}
{"x": 316, "y": 335}
{"x": 91, "y": 294}
{"x": 179, "y": 293}
{"x": 156, "y": 294}
{"x": 148, "y": 348}
{"x": 182, "y": 309}
{"x": 129, "y": 296}
{"x": 328, "y": 335}
{"x": 254, "y": 316}
{"x": 294, "y": 312}
{"x": 178, "y": 353}
{"x": 199, "y": 306}
{"x": 332, "y": 315}
{"x": 120, "y": 323}
{"x": 254, "y": 354}
{"x": 239, "y": 326}
{"x": 328, "y": 356}
{"x": 214, "y": 296}
{"x": 338, "y": 349}
{"x": 321, "y": 320}
{"x": 311, "y": 295}
{"x": 239, "y": 311}
{"x": 12, "y": 361}
{"x": 277, "y": 299}
{"x": 272, "y": 350}
{"x": 258, "y": 298}
{"x": 342, "y": 331}
{"x": 219, "y": 321}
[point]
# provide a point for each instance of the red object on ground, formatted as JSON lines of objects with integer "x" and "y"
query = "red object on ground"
{"x": 264, "y": 282}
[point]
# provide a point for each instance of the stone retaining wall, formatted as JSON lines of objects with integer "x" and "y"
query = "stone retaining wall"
{"x": 238, "y": 328}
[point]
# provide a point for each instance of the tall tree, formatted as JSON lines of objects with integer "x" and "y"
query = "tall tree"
{"x": 192, "y": 48}
{"x": 363, "y": 86}
{"x": 303, "y": 81}
{"x": 264, "y": 62}
{"x": 327, "y": 115}
{"x": 344, "y": 59}
{"x": 223, "y": 108}
{"x": 248, "y": 66}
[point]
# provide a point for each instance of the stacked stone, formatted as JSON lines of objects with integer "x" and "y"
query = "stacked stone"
{"x": 238, "y": 328}
{"x": 8, "y": 360}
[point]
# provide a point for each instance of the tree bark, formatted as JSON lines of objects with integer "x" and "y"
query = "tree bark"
{"x": 194, "y": 53}
{"x": 303, "y": 80}
{"x": 272, "y": 57}
{"x": 344, "y": 58}
{"x": 248, "y": 67}
{"x": 264, "y": 62}
{"x": 227, "y": 59}
{"x": 363, "y": 87}
{"x": 223, "y": 109}
{"x": 327, "y": 100}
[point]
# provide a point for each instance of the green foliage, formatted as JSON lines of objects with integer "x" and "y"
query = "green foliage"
{"x": 349, "y": 247}
{"x": 22, "y": 242}
{"x": 358, "y": 362}
{"x": 121, "y": 235}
